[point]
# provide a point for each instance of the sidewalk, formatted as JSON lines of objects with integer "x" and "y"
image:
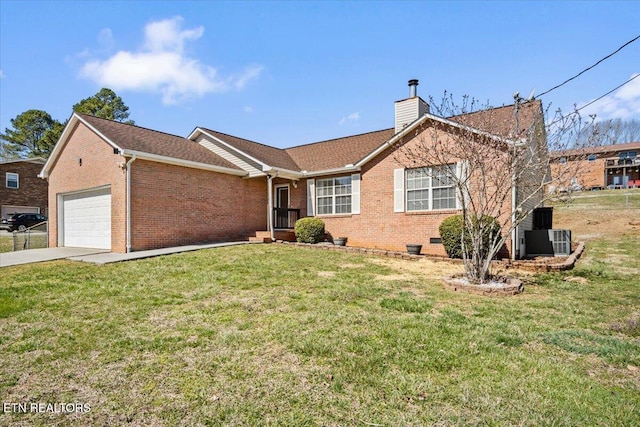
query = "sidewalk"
{"x": 111, "y": 257}
{"x": 96, "y": 256}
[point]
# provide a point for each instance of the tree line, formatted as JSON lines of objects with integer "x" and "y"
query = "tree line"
{"x": 34, "y": 133}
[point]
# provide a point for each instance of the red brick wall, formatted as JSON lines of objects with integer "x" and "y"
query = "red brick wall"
{"x": 99, "y": 167}
{"x": 173, "y": 206}
{"x": 588, "y": 173}
{"x": 378, "y": 226}
{"x": 31, "y": 191}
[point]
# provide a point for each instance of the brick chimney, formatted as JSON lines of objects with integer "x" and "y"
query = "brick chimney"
{"x": 410, "y": 109}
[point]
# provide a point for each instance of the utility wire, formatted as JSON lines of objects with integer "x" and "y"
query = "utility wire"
{"x": 611, "y": 91}
{"x": 594, "y": 101}
{"x": 587, "y": 69}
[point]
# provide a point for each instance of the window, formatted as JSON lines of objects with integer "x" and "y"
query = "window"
{"x": 333, "y": 195}
{"x": 628, "y": 154}
{"x": 592, "y": 157}
{"x": 13, "y": 180}
{"x": 431, "y": 188}
{"x": 563, "y": 160}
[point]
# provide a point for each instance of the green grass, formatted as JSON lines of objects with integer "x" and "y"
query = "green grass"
{"x": 6, "y": 244}
{"x": 603, "y": 199}
{"x": 37, "y": 240}
{"x": 277, "y": 335}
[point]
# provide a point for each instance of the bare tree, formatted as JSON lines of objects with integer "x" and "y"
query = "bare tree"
{"x": 618, "y": 131}
{"x": 498, "y": 161}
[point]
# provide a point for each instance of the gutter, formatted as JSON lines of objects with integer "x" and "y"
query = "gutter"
{"x": 348, "y": 168}
{"x": 128, "y": 226}
{"x": 179, "y": 162}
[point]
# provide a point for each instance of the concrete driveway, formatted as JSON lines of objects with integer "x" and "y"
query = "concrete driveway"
{"x": 47, "y": 254}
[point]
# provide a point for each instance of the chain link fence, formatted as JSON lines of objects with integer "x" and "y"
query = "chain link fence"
{"x": 32, "y": 238}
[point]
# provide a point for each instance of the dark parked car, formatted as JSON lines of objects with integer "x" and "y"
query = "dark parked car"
{"x": 22, "y": 221}
{"x": 4, "y": 224}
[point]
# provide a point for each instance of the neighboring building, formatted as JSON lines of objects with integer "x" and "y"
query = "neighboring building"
{"x": 21, "y": 191}
{"x": 122, "y": 187}
{"x": 594, "y": 168}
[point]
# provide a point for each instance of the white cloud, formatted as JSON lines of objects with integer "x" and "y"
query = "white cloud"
{"x": 353, "y": 117}
{"x": 622, "y": 104}
{"x": 248, "y": 109}
{"x": 106, "y": 40}
{"x": 2, "y": 76}
{"x": 161, "y": 66}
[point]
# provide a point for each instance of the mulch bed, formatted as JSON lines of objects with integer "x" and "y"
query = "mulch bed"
{"x": 538, "y": 264}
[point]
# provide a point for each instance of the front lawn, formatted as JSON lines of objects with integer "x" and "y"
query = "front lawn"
{"x": 278, "y": 335}
{"x": 6, "y": 243}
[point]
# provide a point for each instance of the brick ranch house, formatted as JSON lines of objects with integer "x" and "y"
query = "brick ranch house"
{"x": 21, "y": 191}
{"x": 595, "y": 168}
{"x": 125, "y": 188}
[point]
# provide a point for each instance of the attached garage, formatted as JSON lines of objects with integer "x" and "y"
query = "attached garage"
{"x": 85, "y": 219}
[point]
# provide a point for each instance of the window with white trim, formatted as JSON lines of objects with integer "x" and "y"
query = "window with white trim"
{"x": 431, "y": 188}
{"x": 333, "y": 195}
{"x": 13, "y": 180}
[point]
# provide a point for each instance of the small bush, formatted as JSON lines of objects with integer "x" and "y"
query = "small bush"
{"x": 309, "y": 230}
{"x": 451, "y": 235}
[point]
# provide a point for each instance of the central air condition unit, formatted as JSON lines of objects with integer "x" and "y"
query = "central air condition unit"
{"x": 548, "y": 242}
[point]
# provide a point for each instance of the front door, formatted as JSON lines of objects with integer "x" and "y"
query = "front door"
{"x": 282, "y": 207}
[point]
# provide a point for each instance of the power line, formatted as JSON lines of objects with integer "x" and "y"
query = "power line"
{"x": 587, "y": 69}
{"x": 594, "y": 101}
{"x": 608, "y": 93}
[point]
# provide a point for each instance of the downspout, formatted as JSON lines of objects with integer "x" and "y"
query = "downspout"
{"x": 514, "y": 232}
{"x": 128, "y": 169}
{"x": 514, "y": 202}
{"x": 270, "y": 206}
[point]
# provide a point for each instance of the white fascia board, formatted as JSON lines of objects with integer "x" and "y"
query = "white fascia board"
{"x": 418, "y": 122}
{"x": 230, "y": 147}
{"x": 334, "y": 171}
{"x": 57, "y": 149}
{"x": 180, "y": 162}
{"x": 281, "y": 172}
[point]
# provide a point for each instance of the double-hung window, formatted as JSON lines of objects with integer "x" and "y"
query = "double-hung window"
{"x": 13, "y": 180}
{"x": 333, "y": 195}
{"x": 431, "y": 188}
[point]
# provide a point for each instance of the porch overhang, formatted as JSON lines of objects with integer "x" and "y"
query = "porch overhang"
{"x": 281, "y": 173}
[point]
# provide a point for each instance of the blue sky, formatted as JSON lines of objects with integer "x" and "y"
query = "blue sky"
{"x": 289, "y": 73}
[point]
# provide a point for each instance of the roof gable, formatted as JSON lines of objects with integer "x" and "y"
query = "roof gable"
{"x": 265, "y": 154}
{"x": 129, "y": 140}
{"x": 135, "y": 138}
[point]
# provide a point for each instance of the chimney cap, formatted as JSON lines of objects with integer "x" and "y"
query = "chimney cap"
{"x": 413, "y": 88}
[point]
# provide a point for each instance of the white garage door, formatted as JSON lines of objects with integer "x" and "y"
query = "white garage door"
{"x": 87, "y": 219}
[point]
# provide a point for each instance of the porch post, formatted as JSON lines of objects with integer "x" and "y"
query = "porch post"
{"x": 270, "y": 206}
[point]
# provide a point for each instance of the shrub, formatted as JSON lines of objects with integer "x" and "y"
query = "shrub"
{"x": 451, "y": 234}
{"x": 309, "y": 230}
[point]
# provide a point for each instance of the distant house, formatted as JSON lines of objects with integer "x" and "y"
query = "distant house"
{"x": 607, "y": 166}
{"x": 126, "y": 188}
{"x": 20, "y": 189}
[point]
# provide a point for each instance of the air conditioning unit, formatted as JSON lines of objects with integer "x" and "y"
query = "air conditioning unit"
{"x": 548, "y": 242}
